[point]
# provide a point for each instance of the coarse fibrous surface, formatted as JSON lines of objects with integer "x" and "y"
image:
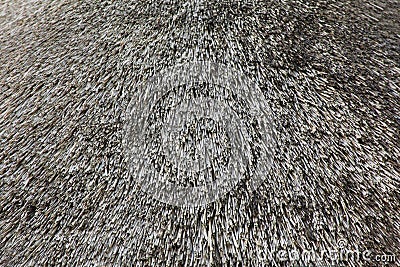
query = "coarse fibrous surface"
{"x": 329, "y": 71}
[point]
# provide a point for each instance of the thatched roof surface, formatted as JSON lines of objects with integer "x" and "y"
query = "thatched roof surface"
{"x": 330, "y": 75}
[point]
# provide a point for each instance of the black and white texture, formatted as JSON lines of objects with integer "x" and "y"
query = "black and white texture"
{"x": 329, "y": 73}
{"x": 195, "y": 130}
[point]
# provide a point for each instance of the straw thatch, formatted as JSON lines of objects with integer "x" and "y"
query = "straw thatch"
{"x": 329, "y": 71}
